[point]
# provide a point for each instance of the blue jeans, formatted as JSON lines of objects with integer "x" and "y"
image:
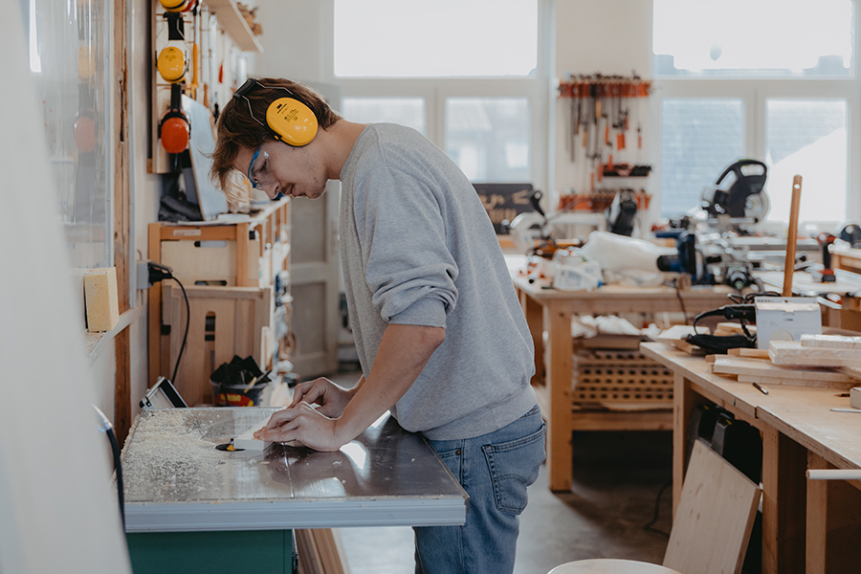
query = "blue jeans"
{"x": 495, "y": 470}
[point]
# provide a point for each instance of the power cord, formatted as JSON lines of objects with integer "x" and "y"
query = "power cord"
{"x": 107, "y": 428}
{"x": 649, "y": 527}
{"x": 159, "y": 272}
{"x": 682, "y": 302}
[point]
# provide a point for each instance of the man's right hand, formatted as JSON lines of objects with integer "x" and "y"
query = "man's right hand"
{"x": 331, "y": 398}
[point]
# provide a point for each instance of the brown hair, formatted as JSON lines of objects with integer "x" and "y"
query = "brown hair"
{"x": 237, "y": 127}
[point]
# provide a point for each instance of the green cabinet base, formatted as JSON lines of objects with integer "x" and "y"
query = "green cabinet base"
{"x": 246, "y": 551}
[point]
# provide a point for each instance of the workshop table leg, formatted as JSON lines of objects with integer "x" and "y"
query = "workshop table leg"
{"x": 784, "y": 503}
{"x": 833, "y": 522}
{"x": 535, "y": 321}
{"x": 685, "y": 400}
{"x": 817, "y": 516}
{"x": 557, "y": 321}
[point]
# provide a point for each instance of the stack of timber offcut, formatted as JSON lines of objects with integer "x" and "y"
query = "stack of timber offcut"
{"x": 815, "y": 361}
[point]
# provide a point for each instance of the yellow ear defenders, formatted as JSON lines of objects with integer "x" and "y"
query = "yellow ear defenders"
{"x": 171, "y": 64}
{"x": 175, "y": 5}
{"x": 288, "y": 119}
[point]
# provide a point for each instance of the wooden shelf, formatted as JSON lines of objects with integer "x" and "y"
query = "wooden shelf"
{"x": 235, "y": 25}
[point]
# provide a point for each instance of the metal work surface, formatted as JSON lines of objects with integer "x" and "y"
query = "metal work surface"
{"x": 175, "y": 479}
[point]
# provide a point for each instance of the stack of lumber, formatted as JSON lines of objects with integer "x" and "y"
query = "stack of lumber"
{"x": 815, "y": 361}
{"x": 320, "y": 552}
{"x": 677, "y": 337}
{"x": 753, "y": 370}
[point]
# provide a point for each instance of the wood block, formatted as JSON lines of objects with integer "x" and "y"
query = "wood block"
{"x": 853, "y": 372}
{"x": 855, "y": 397}
{"x": 102, "y": 301}
{"x": 246, "y": 440}
{"x": 749, "y": 353}
{"x": 794, "y": 382}
{"x": 831, "y": 342}
{"x": 686, "y": 347}
{"x": 712, "y": 525}
{"x": 795, "y": 353}
{"x": 746, "y": 366}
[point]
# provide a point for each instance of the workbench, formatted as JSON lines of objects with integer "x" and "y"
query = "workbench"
{"x": 810, "y": 526}
{"x": 551, "y": 310}
{"x": 189, "y": 504}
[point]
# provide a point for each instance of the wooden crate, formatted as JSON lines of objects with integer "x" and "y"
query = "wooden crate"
{"x": 611, "y": 377}
{"x": 213, "y": 262}
{"x": 258, "y": 248}
{"x": 225, "y": 321}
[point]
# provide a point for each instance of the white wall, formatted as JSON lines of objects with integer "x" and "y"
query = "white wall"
{"x": 292, "y": 39}
{"x": 606, "y": 36}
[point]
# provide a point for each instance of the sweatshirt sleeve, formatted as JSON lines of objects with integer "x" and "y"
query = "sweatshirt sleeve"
{"x": 409, "y": 268}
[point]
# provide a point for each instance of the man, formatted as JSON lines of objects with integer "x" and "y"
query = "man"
{"x": 441, "y": 338}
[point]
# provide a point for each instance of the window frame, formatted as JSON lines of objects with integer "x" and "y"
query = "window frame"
{"x": 755, "y": 93}
{"x": 435, "y": 91}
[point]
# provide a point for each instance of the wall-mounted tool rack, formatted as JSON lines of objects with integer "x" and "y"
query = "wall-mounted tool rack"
{"x": 606, "y": 122}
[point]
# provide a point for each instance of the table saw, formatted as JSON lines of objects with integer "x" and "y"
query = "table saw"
{"x": 190, "y": 505}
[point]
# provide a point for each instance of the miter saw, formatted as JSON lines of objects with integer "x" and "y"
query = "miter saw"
{"x": 737, "y": 199}
{"x": 535, "y": 232}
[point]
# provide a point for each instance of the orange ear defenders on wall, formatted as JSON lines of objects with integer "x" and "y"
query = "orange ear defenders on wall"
{"x": 174, "y": 129}
{"x": 288, "y": 119}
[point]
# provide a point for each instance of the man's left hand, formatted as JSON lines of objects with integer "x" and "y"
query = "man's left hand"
{"x": 304, "y": 424}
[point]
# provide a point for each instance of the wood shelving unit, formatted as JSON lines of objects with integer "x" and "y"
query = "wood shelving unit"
{"x": 235, "y": 25}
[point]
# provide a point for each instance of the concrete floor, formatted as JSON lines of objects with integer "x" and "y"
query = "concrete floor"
{"x": 617, "y": 477}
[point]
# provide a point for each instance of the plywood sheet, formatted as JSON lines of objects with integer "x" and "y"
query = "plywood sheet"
{"x": 715, "y": 515}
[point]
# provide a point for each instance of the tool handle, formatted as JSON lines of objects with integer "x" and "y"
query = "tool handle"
{"x": 792, "y": 236}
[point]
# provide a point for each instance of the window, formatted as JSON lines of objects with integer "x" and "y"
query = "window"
{"x": 488, "y": 138}
{"x": 444, "y": 38}
{"x": 806, "y": 137}
{"x": 72, "y": 79}
{"x": 753, "y": 38}
{"x": 472, "y": 75}
{"x": 773, "y": 81}
{"x": 700, "y": 137}
{"x": 408, "y": 112}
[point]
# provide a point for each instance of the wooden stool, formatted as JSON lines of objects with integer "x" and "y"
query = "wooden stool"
{"x": 611, "y": 567}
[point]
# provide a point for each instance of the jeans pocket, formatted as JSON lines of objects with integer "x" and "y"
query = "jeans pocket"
{"x": 513, "y": 466}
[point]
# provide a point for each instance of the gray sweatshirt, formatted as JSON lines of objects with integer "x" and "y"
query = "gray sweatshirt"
{"x": 417, "y": 248}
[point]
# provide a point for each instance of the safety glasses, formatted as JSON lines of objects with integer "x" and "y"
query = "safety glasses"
{"x": 260, "y": 170}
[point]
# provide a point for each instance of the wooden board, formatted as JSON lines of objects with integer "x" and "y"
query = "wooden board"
{"x": 246, "y": 440}
{"x": 831, "y": 342}
{"x": 687, "y": 348}
{"x": 712, "y": 525}
{"x": 746, "y": 366}
{"x": 797, "y": 354}
{"x": 749, "y": 353}
{"x": 795, "y": 382}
